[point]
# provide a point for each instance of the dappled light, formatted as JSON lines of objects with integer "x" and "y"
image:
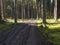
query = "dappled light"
{"x": 51, "y": 32}
{"x": 29, "y": 22}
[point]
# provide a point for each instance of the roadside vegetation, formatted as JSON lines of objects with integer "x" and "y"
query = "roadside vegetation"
{"x": 6, "y": 26}
{"x": 51, "y": 33}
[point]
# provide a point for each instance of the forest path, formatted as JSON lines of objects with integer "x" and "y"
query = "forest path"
{"x": 21, "y": 34}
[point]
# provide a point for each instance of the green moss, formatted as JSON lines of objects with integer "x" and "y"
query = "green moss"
{"x": 4, "y": 27}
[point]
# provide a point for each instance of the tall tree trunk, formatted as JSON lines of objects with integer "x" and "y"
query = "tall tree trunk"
{"x": 0, "y": 13}
{"x": 43, "y": 12}
{"x": 37, "y": 10}
{"x": 15, "y": 16}
{"x": 2, "y": 9}
{"x": 24, "y": 12}
{"x": 55, "y": 10}
{"x": 24, "y": 9}
{"x": 41, "y": 7}
{"x": 28, "y": 9}
{"x": 4, "y": 6}
{"x": 31, "y": 9}
{"x": 50, "y": 8}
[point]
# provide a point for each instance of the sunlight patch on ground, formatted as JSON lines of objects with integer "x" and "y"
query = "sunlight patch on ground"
{"x": 37, "y": 21}
{"x": 10, "y": 20}
{"x": 53, "y": 26}
{"x": 58, "y": 19}
{"x": 39, "y": 25}
{"x": 50, "y": 20}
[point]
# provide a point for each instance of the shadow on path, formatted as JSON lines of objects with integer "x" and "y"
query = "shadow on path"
{"x": 21, "y": 34}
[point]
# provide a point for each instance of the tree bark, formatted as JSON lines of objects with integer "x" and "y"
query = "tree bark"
{"x": 15, "y": 16}
{"x": 2, "y": 9}
{"x": 43, "y": 12}
{"x": 0, "y": 13}
{"x": 55, "y": 10}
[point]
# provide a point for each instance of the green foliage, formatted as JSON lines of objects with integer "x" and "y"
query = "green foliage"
{"x": 51, "y": 33}
{"x": 4, "y": 27}
{"x": 2, "y": 22}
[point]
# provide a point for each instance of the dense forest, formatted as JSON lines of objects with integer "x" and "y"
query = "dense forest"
{"x": 26, "y": 9}
{"x": 29, "y": 9}
{"x": 29, "y": 22}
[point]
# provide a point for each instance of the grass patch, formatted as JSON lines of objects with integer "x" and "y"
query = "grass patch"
{"x": 4, "y": 27}
{"x": 51, "y": 33}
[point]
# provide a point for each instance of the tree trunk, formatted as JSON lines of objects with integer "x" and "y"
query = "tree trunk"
{"x": 55, "y": 10}
{"x": 15, "y": 16}
{"x": 2, "y": 9}
{"x": 43, "y": 12}
{"x": 22, "y": 10}
{"x": 41, "y": 7}
{"x": 0, "y": 13}
{"x": 37, "y": 10}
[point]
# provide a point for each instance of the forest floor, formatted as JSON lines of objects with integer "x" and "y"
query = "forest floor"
{"x": 51, "y": 33}
{"x": 28, "y": 33}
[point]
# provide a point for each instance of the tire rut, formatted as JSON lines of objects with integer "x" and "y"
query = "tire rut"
{"x": 34, "y": 37}
{"x": 3, "y": 35}
{"x": 12, "y": 33}
{"x": 25, "y": 36}
{"x": 22, "y": 35}
{"x": 16, "y": 41}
